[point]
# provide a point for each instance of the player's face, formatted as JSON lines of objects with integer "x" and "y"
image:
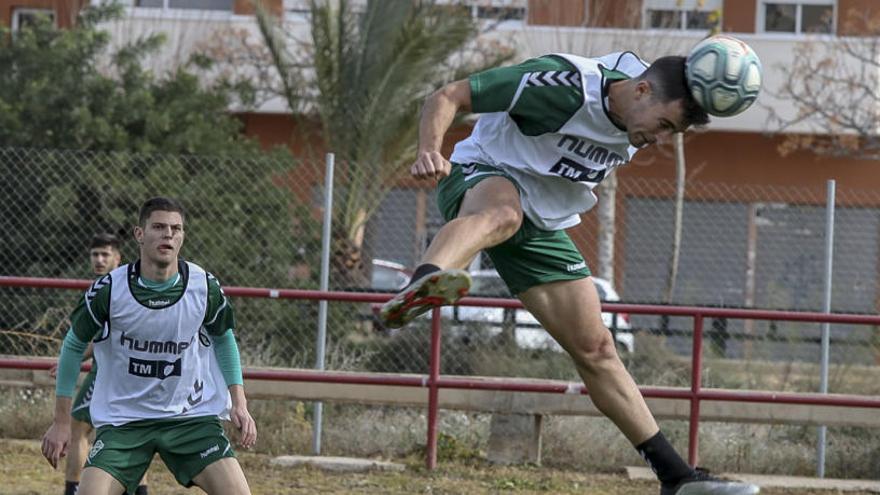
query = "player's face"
{"x": 161, "y": 237}
{"x": 651, "y": 120}
{"x": 104, "y": 259}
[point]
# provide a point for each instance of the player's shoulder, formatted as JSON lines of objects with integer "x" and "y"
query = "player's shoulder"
{"x": 104, "y": 283}
{"x": 626, "y": 62}
{"x": 213, "y": 282}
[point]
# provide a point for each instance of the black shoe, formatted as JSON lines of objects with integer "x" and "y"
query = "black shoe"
{"x": 701, "y": 483}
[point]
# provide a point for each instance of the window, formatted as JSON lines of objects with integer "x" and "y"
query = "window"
{"x": 500, "y": 12}
{"x": 695, "y": 15}
{"x": 492, "y": 10}
{"x": 23, "y": 17}
{"x": 805, "y": 16}
{"x": 186, "y": 4}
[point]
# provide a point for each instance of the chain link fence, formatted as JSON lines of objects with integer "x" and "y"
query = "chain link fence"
{"x": 256, "y": 221}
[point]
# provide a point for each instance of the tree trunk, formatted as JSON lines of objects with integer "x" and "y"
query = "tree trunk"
{"x": 606, "y": 211}
{"x": 680, "y": 170}
{"x": 348, "y": 267}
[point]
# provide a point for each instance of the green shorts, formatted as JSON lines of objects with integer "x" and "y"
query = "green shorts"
{"x": 187, "y": 446}
{"x": 80, "y": 409}
{"x": 532, "y": 256}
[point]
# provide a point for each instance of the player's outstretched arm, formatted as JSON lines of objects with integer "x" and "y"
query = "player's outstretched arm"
{"x": 241, "y": 417}
{"x": 226, "y": 351}
{"x": 57, "y": 437}
{"x": 438, "y": 113}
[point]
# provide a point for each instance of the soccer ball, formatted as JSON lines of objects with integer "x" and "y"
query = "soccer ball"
{"x": 724, "y": 75}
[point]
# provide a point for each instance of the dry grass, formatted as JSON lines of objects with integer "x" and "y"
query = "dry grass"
{"x": 24, "y": 472}
{"x": 569, "y": 443}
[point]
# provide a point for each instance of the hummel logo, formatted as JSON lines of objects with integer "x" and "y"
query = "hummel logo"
{"x": 96, "y": 286}
{"x": 576, "y": 266}
{"x": 159, "y": 302}
{"x": 215, "y": 448}
{"x": 554, "y": 78}
{"x": 95, "y": 449}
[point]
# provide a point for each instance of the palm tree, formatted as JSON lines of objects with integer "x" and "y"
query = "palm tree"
{"x": 368, "y": 71}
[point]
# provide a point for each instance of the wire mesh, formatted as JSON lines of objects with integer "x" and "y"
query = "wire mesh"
{"x": 256, "y": 221}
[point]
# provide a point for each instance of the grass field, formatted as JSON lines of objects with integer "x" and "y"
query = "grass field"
{"x": 25, "y": 472}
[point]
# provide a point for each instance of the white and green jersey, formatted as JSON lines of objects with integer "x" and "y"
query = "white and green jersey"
{"x": 545, "y": 122}
{"x": 154, "y": 346}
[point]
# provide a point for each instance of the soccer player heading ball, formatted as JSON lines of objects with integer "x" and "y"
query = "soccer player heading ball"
{"x": 551, "y": 129}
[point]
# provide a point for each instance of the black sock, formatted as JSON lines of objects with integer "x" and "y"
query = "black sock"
{"x": 70, "y": 487}
{"x": 141, "y": 490}
{"x": 663, "y": 459}
{"x": 421, "y": 271}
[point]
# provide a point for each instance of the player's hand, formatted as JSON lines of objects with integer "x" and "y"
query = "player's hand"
{"x": 247, "y": 427}
{"x": 53, "y": 370}
{"x": 55, "y": 443}
{"x": 430, "y": 165}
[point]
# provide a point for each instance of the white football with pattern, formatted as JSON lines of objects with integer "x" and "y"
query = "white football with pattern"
{"x": 724, "y": 75}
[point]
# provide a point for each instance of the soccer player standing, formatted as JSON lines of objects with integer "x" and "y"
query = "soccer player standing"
{"x": 163, "y": 337}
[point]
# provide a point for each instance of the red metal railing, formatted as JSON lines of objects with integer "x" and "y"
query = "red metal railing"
{"x": 434, "y": 382}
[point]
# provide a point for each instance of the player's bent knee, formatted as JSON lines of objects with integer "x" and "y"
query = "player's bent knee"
{"x": 505, "y": 220}
{"x": 594, "y": 352}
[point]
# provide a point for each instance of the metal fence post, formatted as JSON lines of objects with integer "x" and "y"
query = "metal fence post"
{"x": 433, "y": 389}
{"x": 322, "y": 304}
{"x": 826, "y": 327}
{"x": 696, "y": 385}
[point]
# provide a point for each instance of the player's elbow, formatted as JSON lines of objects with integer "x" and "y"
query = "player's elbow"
{"x": 456, "y": 94}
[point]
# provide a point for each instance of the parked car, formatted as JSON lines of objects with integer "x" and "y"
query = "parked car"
{"x": 528, "y": 332}
{"x": 388, "y": 276}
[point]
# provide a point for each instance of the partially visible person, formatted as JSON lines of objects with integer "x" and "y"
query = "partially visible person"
{"x": 104, "y": 257}
{"x": 169, "y": 369}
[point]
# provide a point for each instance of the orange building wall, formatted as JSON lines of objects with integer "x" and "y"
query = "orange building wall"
{"x": 248, "y": 7}
{"x": 855, "y": 16}
{"x": 739, "y": 16}
{"x": 615, "y": 13}
{"x": 557, "y": 12}
{"x": 754, "y": 161}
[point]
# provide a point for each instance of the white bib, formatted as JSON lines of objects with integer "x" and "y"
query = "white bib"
{"x": 157, "y": 362}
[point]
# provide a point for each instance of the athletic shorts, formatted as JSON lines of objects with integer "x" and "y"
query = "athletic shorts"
{"x": 532, "y": 256}
{"x": 187, "y": 446}
{"x": 80, "y": 409}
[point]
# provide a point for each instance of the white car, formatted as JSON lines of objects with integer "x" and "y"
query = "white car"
{"x": 529, "y": 334}
{"x": 388, "y": 276}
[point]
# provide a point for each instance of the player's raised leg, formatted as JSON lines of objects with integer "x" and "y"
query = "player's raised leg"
{"x": 570, "y": 311}
{"x": 489, "y": 214}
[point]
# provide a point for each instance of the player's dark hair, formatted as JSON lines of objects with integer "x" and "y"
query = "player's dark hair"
{"x": 159, "y": 203}
{"x": 669, "y": 83}
{"x": 104, "y": 240}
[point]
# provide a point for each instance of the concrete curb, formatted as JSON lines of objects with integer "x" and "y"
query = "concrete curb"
{"x": 773, "y": 481}
{"x": 336, "y": 464}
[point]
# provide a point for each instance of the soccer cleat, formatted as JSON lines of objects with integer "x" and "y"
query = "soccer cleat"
{"x": 440, "y": 288}
{"x": 701, "y": 483}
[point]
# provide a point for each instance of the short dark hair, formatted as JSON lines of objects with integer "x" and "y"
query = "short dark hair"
{"x": 103, "y": 240}
{"x": 159, "y": 203}
{"x": 668, "y": 81}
